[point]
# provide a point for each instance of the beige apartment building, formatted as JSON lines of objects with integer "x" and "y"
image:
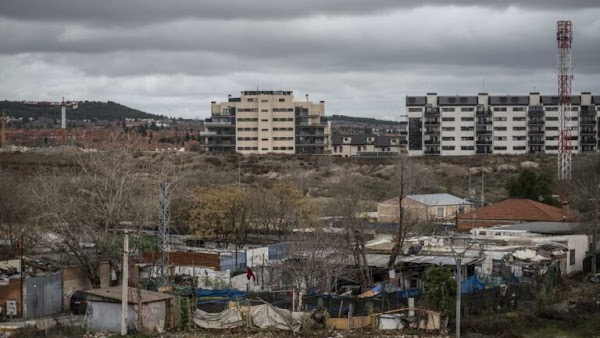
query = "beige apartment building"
{"x": 262, "y": 122}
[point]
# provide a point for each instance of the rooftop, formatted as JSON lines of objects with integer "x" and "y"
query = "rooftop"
{"x": 114, "y": 294}
{"x": 518, "y": 209}
{"x": 544, "y": 228}
{"x": 438, "y": 199}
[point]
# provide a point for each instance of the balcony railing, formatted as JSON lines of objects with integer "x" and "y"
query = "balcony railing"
{"x": 217, "y": 124}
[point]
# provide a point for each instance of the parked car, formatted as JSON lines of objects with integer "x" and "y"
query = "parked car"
{"x": 79, "y": 302}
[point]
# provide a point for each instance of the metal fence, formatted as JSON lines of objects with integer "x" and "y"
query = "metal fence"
{"x": 44, "y": 295}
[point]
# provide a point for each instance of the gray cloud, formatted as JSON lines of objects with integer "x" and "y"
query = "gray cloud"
{"x": 133, "y": 11}
{"x": 362, "y": 57}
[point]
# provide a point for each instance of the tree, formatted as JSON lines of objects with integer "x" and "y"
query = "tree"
{"x": 81, "y": 209}
{"x": 14, "y": 212}
{"x": 317, "y": 259}
{"x": 283, "y": 207}
{"x": 224, "y": 212}
{"x": 408, "y": 179}
{"x": 585, "y": 193}
{"x": 441, "y": 289}
{"x": 532, "y": 185}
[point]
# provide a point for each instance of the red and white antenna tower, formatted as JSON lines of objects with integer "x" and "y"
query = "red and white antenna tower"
{"x": 63, "y": 120}
{"x": 564, "y": 38}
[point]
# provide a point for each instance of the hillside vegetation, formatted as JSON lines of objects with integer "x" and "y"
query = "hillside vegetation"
{"x": 320, "y": 176}
{"x": 87, "y": 110}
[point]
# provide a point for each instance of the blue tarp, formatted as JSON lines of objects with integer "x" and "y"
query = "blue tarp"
{"x": 471, "y": 285}
{"x": 225, "y": 293}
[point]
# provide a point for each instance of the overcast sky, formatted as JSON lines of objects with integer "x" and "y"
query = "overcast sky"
{"x": 362, "y": 57}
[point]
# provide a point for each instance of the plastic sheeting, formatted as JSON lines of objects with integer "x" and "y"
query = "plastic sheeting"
{"x": 228, "y": 319}
{"x": 268, "y": 316}
{"x": 472, "y": 284}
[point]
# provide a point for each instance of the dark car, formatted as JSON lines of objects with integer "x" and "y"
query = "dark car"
{"x": 79, "y": 302}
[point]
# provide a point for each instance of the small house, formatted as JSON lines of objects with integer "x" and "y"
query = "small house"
{"x": 423, "y": 207}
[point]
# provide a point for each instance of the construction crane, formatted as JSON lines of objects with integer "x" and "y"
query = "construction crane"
{"x": 3, "y": 130}
{"x": 564, "y": 38}
{"x": 63, "y": 117}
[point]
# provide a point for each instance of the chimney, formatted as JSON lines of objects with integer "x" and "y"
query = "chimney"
{"x": 306, "y": 97}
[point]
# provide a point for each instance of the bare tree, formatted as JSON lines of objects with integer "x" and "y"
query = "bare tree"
{"x": 80, "y": 209}
{"x": 585, "y": 192}
{"x": 317, "y": 259}
{"x": 14, "y": 211}
{"x": 408, "y": 179}
{"x": 349, "y": 206}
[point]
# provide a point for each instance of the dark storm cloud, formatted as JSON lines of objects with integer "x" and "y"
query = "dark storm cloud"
{"x": 132, "y": 11}
{"x": 362, "y": 57}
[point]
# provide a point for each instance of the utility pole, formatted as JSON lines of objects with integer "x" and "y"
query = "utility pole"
{"x": 458, "y": 258}
{"x": 124, "y": 284}
{"x": 163, "y": 230}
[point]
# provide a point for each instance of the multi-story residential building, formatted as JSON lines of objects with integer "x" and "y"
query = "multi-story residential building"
{"x": 368, "y": 145}
{"x": 261, "y": 122}
{"x": 488, "y": 124}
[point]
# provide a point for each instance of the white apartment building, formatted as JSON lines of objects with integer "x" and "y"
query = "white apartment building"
{"x": 262, "y": 122}
{"x": 488, "y": 124}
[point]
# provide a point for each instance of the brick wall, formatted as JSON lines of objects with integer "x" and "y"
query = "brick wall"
{"x": 75, "y": 279}
{"x": 187, "y": 259}
{"x": 11, "y": 291}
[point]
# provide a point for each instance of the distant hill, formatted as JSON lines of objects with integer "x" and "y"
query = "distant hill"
{"x": 86, "y": 110}
{"x": 365, "y": 120}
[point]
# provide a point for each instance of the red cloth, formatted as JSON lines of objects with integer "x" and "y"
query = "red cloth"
{"x": 250, "y": 274}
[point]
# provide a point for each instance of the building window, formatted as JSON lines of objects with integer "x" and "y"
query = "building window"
{"x": 499, "y": 138}
{"x": 519, "y": 128}
{"x": 448, "y": 119}
{"x": 250, "y": 100}
{"x": 519, "y": 118}
{"x": 518, "y": 109}
{"x": 467, "y": 148}
{"x": 281, "y": 100}
{"x": 448, "y": 138}
{"x": 448, "y": 147}
{"x": 551, "y": 118}
{"x": 264, "y": 110}
{"x": 467, "y": 128}
{"x": 519, "y": 148}
{"x": 264, "y": 101}
{"x": 467, "y": 138}
{"x": 447, "y": 128}
{"x": 440, "y": 212}
{"x": 447, "y": 109}
{"x": 467, "y": 109}
{"x": 499, "y": 148}
{"x": 500, "y": 118}
{"x": 415, "y": 110}
{"x": 500, "y": 128}
{"x": 264, "y": 120}
{"x": 467, "y": 119}
{"x": 499, "y": 108}
{"x": 571, "y": 257}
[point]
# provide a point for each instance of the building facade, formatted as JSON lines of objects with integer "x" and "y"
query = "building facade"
{"x": 488, "y": 124}
{"x": 368, "y": 145}
{"x": 262, "y": 122}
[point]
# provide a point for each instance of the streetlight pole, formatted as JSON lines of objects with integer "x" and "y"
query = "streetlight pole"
{"x": 458, "y": 258}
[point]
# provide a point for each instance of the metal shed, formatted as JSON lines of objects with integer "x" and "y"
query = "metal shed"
{"x": 104, "y": 310}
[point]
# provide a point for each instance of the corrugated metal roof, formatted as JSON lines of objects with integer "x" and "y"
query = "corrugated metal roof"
{"x": 437, "y": 260}
{"x": 438, "y": 199}
{"x": 381, "y": 260}
{"x": 114, "y": 294}
{"x": 546, "y": 228}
